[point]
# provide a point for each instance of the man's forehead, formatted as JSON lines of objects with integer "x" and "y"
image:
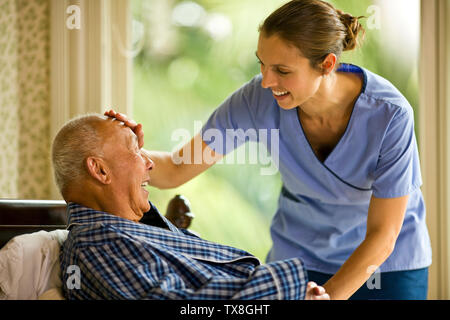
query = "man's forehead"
{"x": 119, "y": 128}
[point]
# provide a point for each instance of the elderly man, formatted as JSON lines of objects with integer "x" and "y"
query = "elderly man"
{"x": 102, "y": 174}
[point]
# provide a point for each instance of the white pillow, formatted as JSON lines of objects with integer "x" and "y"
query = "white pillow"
{"x": 29, "y": 265}
{"x": 52, "y": 294}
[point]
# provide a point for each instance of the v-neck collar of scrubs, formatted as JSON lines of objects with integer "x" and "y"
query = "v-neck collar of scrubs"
{"x": 297, "y": 123}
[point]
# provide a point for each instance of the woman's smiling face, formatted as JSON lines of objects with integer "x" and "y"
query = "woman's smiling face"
{"x": 286, "y": 72}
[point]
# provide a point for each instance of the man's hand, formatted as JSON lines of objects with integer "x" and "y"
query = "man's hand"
{"x": 137, "y": 128}
{"x": 315, "y": 292}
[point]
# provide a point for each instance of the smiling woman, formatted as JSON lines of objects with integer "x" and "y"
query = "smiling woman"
{"x": 292, "y": 82}
{"x": 337, "y": 124}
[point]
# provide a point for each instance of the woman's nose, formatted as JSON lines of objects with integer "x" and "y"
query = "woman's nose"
{"x": 268, "y": 79}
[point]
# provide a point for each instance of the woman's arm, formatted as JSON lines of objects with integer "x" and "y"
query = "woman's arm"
{"x": 174, "y": 169}
{"x": 384, "y": 221}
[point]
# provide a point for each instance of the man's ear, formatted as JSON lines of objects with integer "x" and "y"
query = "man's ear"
{"x": 98, "y": 169}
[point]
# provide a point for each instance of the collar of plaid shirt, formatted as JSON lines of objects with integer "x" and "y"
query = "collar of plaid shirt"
{"x": 158, "y": 231}
{"x": 80, "y": 215}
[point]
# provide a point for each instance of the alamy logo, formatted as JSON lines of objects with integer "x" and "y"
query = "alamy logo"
{"x": 254, "y": 153}
{"x": 374, "y": 281}
{"x": 374, "y": 20}
{"x": 74, "y": 279}
{"x": 73, "y": 21}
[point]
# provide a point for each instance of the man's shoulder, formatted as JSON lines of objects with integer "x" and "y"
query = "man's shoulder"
{"x": 95, "y": 234}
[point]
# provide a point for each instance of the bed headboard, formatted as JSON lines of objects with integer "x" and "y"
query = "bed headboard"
{"x": 26, "y": 216}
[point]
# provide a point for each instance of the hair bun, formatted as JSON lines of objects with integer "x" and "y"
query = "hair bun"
{"x": 353, "y": 29}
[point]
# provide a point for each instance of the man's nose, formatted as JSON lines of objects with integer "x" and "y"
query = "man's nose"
{"x": 149, "y": 164}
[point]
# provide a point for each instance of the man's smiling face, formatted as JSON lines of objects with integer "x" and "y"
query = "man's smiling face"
{"x": 129, "y": 168}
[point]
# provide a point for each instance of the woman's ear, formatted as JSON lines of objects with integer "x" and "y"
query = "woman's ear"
{"x": 98, "y": 170}
{"x": 329, "y": 63}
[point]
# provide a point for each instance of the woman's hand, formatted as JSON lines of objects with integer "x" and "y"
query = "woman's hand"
{"x": 137, "y": 128}
{"x": 315, "y": 292}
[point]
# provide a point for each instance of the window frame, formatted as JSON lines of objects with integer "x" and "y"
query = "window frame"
{"x": 108, "y": 82}
{"x": 434, "y": 137}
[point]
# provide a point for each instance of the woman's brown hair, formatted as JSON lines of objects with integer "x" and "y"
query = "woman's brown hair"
{"x": 315, "y": 27}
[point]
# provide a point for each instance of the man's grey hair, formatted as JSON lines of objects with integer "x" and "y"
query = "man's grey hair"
{"x": 78, "y": 139}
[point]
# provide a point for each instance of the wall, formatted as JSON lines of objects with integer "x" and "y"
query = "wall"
{"x": 9, "y": 100}
{"x": 24, "y": 99}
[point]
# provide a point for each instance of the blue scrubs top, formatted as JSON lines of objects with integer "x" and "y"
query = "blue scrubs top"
{"x": 323, "y": 206}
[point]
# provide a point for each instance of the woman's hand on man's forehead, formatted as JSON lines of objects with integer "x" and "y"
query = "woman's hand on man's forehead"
{"x": 135, "y": 127}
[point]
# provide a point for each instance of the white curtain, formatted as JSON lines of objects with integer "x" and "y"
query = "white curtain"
{"x": 90, "y": 60}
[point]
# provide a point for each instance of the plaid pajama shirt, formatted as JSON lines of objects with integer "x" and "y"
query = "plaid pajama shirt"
{"x": 121, "y": 259}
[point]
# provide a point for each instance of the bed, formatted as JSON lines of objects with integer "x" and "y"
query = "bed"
{"x": 27, "y": 216}
{"x": 31, "y": 234}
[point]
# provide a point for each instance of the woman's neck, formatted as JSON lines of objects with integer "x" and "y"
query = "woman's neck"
{"x": 334, "y": 98}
